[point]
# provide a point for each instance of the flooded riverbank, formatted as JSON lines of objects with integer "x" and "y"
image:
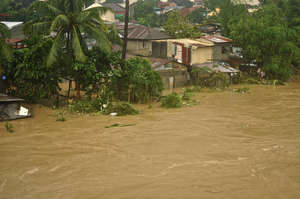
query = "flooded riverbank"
{"x": 228, "y": 146}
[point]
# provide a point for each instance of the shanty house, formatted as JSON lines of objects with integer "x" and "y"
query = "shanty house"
{"x": 141, "y": 40}
{"x": 201, "y": 50}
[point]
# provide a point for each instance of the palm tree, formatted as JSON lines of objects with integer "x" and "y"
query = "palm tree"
{"x": 70, "y": 24}
{"x": 5, "y": 51}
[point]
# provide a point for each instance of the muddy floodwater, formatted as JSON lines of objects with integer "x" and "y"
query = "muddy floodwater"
{"x": 230, "y": 145}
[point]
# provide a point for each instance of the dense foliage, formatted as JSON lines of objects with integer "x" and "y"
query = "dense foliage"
{"x": 197, "y": 16}
{"x": 145, "y": 14}
{"x": 5, "y": 51}
{"x": 267, "y": 36}
{"x": 29, "y": 76}
{"x": 137, "y": 82}
{"x": 180, "y": 27}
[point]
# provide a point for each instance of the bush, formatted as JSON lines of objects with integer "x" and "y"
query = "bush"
{"x": 277, "y": 71}
{"x": 137, "y": 82}
{"x": 121, "y": 109}
{"x": 171, "y": 101}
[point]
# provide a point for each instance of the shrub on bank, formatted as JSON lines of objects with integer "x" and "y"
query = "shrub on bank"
{"x": 121, "y": 108}
{"x": 171, "y": 101}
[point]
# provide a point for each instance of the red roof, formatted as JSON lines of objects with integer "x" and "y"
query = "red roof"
{"x": 4, "y": 15}
{"x": 14, "y": 40}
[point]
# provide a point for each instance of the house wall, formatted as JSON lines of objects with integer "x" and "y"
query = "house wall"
{"x": 108, "y": 16}
{"x": 221, "y": 52}
{"x": 140, "y": 47}
{"x": 202, "y": 55}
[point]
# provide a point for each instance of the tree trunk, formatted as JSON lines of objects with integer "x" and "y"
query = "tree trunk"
{"x": 77, "y": 89}
{"x": 125, "y": 30}
{"x": 70, "y": 85}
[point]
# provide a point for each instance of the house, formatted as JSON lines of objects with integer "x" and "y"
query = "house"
{"x": 108, "y": 16}
{"x": 17, "y": 35}
{"x": 117, "y": 9}
{"x": 197, "y": 51}
{"x": 141, "y": 40}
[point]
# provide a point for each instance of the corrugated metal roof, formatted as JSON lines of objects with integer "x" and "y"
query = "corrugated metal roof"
{"x": 145, "y": 33}
{"x": 217, "y": 39}
{"x": 218, "y": 67}
{"x": 114, "y": 7}
{"x": 191, "y": 42}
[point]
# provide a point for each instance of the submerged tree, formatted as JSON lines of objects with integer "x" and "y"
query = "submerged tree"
{"x": 71, "y": 25}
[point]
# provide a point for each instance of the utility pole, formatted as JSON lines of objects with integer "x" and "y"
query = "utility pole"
{"x": 125, "y": 29}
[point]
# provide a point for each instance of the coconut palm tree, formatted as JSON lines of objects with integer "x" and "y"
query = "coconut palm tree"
{"x": 70, "y": 24}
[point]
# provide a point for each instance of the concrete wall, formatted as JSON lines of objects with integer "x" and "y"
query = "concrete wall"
{"x": 202, "y": 55}
{"x": 221, "y": 52}
{"x": 139, "y": 47}
{"x": 174, "y": 78}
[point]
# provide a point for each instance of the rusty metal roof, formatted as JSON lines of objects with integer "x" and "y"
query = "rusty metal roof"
{"x": 217, "y": 39}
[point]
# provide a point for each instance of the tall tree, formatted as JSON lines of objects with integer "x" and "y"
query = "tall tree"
{"x": 70, "y": 24}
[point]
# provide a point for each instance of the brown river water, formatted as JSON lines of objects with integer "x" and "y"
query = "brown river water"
{"x": 230, "y": 145}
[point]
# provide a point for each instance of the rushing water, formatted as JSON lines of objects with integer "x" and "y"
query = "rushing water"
{"x": 228, "y": 146}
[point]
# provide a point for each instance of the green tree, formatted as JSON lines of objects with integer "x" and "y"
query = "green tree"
{"x": 179, "y": 27}
{"x": 197, "y": 16}
{"x": 265, "y": 37}
{"x": 5, "y": 51}
{"x": 30, "y": 77}
{"x": 71, "y": 25}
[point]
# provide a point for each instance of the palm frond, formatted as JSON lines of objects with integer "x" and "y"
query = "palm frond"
{"x": 113, "y": 36}
{"x": 61, "y": 21}
{"x": 5, "y": 50}
{"x": 44, "y": 8}
{"x": 99, "y": 34}
{"x": 56, "y": 46}
{"x": 77, "y": 48}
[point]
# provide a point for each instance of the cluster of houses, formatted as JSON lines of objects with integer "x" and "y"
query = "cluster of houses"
{"x": 172, "y": 57}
